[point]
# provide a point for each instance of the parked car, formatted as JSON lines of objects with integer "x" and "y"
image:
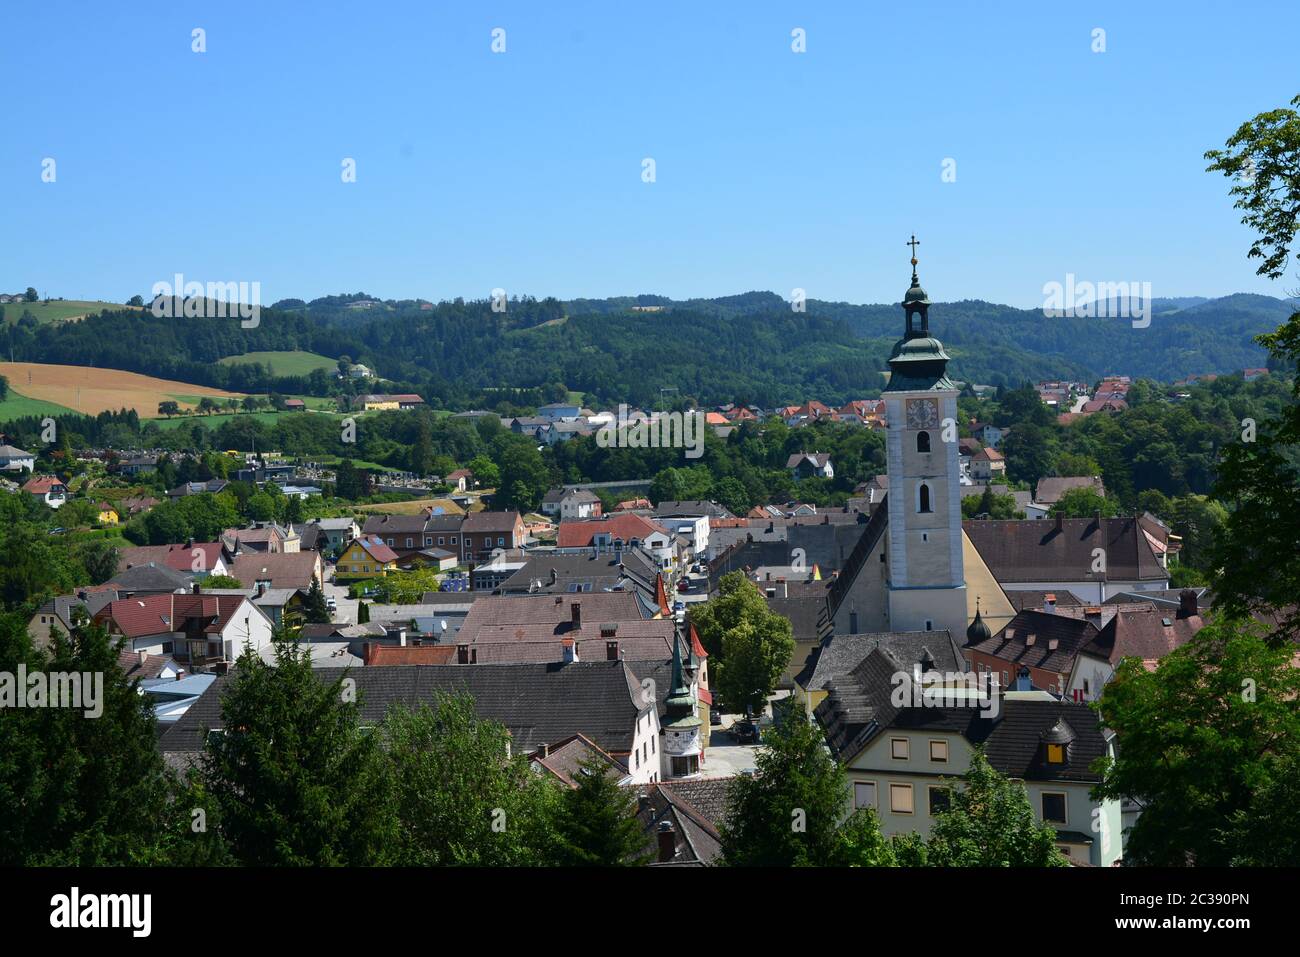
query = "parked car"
{"x": 746, "y": 732}
{"x": 684, "y": 585}
{"x": 715, "y": 717}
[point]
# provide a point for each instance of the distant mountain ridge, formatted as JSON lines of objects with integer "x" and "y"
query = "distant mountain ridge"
{"x": 750, "y": 347}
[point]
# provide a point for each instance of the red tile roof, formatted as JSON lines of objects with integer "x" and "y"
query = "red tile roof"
{"x": 626, "y": 526}
{"x": 377, "y": 655}
{"x": 181, "y": 558}
{"x": 163, "y": 614}
{"x": 375, "y": 547}
{"x": 40, "y": 484}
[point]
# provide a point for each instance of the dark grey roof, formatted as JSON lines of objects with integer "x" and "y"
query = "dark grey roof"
{"x": 825, "y": 542}
{"x": 600, "y": 571}
{"x": 1035, "y": 600}
{"x": 858, "y": 708}
{"x": 840, "y": 654}
{"x": 1162, "y": 598}
{"x": 1039, "y": 639}
{"x": 696, "y": 507}
{"x": 151, "y": 577}
{"x": 1037, "y": 551}
{"x": 538, "y": 703}
{"x": 696, "y": 838}
{"x": 807, "y": 614}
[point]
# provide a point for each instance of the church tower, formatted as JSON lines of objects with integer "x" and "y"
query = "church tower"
{"x": 926, "y": 585}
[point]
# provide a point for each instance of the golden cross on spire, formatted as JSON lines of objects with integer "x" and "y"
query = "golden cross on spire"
{"x": 914, "y": 243}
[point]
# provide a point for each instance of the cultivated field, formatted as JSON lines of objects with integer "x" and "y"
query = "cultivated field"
{"x": 60, "y": 310}
{"x": 92, "y": 391}
{"x": 285, "y": 363}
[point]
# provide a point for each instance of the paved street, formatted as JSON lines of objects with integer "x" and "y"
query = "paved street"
{"x": 347, "y": 607}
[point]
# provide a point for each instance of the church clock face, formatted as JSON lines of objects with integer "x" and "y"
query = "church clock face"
{"x": 922, "y": 413}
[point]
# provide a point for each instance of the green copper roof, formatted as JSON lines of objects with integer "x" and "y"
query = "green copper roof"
{"x": 918, "y": 362}
{"x": 916, "y": 293}
{"x": 919, "y": 365}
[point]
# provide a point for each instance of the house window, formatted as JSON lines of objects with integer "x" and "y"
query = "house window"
{"x": 899, "y": 749}
{"x": 408, "y": 541}
{"x": 501, "y": 541}
{"x": 923, "y": 498}
{"x": 428, "y": 540}
{"x": 864, "y": 794}
{"x": 453, "y": 539}
{"x": 923, "y": 441}
{"x": 900, "y": 798}
{"x": 440, "y": 540}
{"x": 1054, "y": 807}
{"x": 939, "y": 751}
{"x": 687, "y": 765}
{"x": 929, "y": 625}
{"x": 940, "y": 800}
{"x": 1056, "y": 754}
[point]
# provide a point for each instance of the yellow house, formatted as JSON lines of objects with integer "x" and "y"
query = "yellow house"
{"x": 366, "y": 557}
{"x": 107, "y": 514}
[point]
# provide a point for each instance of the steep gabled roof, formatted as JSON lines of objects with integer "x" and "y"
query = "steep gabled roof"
{"x": 1037, "y": 551}
{"x": 537, "y": 703}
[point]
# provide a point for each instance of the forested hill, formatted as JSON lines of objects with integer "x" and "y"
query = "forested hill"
{"x": 751, "y": 347}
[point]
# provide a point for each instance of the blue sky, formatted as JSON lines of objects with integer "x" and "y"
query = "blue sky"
{"x": 523, "y": 170}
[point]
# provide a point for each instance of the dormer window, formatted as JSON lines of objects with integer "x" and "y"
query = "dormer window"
{"x": 1055, "y": 744}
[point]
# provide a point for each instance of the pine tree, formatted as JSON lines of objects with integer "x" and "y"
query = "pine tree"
{"x": 462, "y": 797}
{"x": 794, "y": 810}
{"x": 314, "y": 609}
{"x": 598, "y": 827}
{"x": 79, "y": 790}
{"x": 363, "y": 613}
{"x": 294, "y": 778}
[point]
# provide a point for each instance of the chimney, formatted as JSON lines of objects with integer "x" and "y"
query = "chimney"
{"x": 462, "y": 654}
{"x": 1060, "y": 521}
{"x": 611, "y": 650}
{"x": 194, "y": 588}
{"x": 569, "y": 651}
{"x": 1187, "y": 605}
{"x": 554, "y": 576}
{"x": 577, "y": 614}
{"x": 144, "y": 655}
{"x": 544, "y": 750}
{"x": 785, "y": 587}
{"x": 1049, "y": 604}
{"x": 667, "y": 842}
{"x": 642, "y": 801}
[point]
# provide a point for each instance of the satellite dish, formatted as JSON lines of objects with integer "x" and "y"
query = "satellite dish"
{"x": 443, "y": 625}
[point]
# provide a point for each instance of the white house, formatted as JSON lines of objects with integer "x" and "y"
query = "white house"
{"x": 205, "y": 632}
{"x": 805, "y": 464}
{"x": 16, "y": 460}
